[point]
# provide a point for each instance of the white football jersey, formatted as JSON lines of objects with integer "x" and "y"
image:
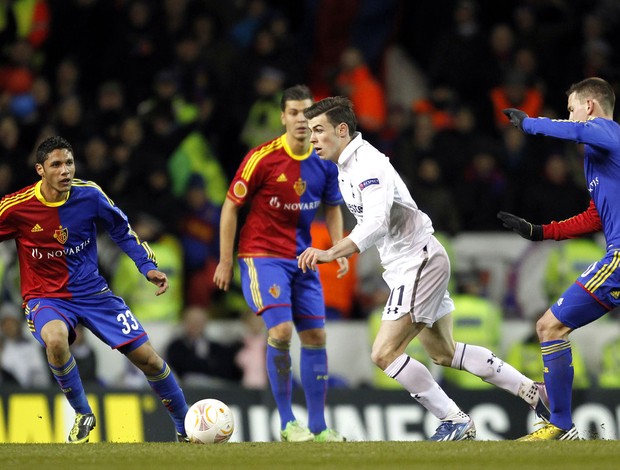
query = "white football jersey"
{"x": 386, "y": 214}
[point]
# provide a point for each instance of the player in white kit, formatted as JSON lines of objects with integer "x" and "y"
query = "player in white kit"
{"x": 417, "y": 271}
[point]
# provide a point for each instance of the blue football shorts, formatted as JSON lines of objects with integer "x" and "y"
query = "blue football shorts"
{"x": 592, "y": 295}
{"x": 279, "y": 291}
{"x": 105, "y": 314}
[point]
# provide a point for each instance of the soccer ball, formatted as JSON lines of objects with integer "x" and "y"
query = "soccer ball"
{"x": 209, "y": 421}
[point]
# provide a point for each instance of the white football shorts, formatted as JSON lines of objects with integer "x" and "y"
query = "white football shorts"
{"x": 419, "y": 286}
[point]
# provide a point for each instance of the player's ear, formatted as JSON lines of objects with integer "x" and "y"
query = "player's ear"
{"x": 38, "y": 168}
{"x": 343, "y": 130}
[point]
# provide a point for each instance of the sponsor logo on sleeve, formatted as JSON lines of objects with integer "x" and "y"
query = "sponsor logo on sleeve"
{"x": 368, "y": 182}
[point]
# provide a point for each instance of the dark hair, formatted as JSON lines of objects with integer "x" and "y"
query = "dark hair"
{"x": 596, "y": 88}
{"x": 337, "y": 109}
{"x": 49, "y": 145}
{"x": 295, "y": 93}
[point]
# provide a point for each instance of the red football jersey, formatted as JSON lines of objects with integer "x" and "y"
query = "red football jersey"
{"x": 284, "y": 191}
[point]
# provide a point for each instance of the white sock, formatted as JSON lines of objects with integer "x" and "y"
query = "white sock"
{"x": 529, "y": 394}
{"x": 419, "y": 382}
{"x": 490, "y": 368}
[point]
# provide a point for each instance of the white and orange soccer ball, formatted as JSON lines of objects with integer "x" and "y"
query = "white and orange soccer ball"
{"x": 209, "y": 421}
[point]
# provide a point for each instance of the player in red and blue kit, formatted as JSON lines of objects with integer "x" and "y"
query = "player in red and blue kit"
{"x": 54, "y": 224}
{"x": 597, "y": 291}
{"x": 285, "y": 182}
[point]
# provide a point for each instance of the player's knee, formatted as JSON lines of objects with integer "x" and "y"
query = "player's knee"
{"x": 381, "y": 358}
{"x": 56, "y": 346}
{"x": 548, "y": 330}
{"x": 146, "y": 359}
{"x": 56, "y": 338}
{"x": 282, "y": 332}
{"x": 313, "y": 337}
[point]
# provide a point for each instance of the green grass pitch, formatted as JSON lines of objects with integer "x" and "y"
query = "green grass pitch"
{"x": 502, "y": 455}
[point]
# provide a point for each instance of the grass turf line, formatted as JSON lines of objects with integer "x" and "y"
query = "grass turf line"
{"x": 503, "y": 455}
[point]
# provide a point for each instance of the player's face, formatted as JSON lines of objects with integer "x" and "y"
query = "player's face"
{"x": 578, "y": 109}
{"x": 328, "y": 140}
{"x": 56, "y": 174}
{"x": 294, "y": 120}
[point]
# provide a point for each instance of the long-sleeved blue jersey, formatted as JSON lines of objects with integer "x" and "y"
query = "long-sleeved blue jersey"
{"x": 601, "y": 139}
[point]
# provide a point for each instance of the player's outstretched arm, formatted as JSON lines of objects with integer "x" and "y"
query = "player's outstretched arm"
{"x": 159, "y": 279}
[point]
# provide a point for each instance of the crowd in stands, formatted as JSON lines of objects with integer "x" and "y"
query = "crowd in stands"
{"x": 162, "y": 99}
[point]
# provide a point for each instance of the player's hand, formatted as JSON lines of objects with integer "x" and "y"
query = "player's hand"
{"x": 343, "y": 267}
{"x": 223, "y": 275}
{"x": 516, "y": 117}
{"x": 521, "y": 226}
{"x": 159, "y": 279}
{"x": 310, "y": 258}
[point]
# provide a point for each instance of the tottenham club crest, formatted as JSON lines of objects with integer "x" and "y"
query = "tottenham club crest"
{"x": 299, "y": 187}
{"x": 274, "y": 290}
{"x": 61, "y": 234}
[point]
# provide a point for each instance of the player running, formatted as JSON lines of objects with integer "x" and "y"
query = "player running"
{"x": 417, "y": 271}
{"x": 590, "y": 122}
{"x": 54, "y": 225}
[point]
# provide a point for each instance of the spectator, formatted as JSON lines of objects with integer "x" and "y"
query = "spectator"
{"x": 127, "y": 282}
{"x": 21, "y": 360}
{"x": 109, "y": 110}
{"x": 356, "y": 81}
{"x": 515, "y": 92}
{"x": 198, "y": 360}
{"x": 263, "y": 121}
{"x": 434, "y": 197}
{"x": 461, "y": 55}
{"x": 251, "y": 356}
{"x": 199, "y": 235}
{"x": 482, "y": 192}
{"x": 85, "y": 356}
{"x": 555, "y": 195}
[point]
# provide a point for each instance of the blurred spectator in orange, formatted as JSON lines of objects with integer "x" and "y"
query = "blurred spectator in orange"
{"x": 356, "y": 81}
{"x": 515, "y": 92}
{"x": 441, "y": 105}
{"x": 340, "y": 293}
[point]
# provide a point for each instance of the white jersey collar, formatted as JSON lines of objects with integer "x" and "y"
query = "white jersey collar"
{"x": 351, "y": 147}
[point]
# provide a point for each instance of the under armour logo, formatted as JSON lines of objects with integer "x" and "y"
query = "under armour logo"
{"x": 389, "y": 310}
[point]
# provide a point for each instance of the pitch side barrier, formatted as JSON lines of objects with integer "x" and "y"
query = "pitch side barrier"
{"x": 360, "y": 414}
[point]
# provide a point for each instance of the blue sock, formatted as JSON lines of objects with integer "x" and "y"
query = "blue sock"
{"x": 167, "y": 389}
{"x": 280, "y": 378}
{"x": 313, "y": 370}
{"x": 68, "y": 377}
{"x": 558, "y": 361}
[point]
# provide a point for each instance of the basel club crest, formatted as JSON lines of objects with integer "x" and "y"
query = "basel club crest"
{"x": 274, "y": 290}
{"x": 299, "y": 186}
{"x": 61, "y": 234}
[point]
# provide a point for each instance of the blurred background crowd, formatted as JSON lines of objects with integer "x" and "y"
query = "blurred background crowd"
{"x": 161, "y": 99}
